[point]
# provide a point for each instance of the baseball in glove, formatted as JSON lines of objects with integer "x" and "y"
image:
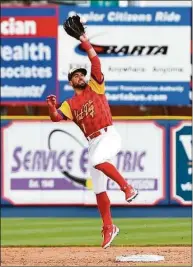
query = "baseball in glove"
{"x": 74, "y": 27}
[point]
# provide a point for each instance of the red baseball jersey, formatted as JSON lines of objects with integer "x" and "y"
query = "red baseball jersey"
{"x": 89, "y": 110}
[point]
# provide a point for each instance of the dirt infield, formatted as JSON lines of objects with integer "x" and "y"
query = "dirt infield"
{"x": 90, "y": 256}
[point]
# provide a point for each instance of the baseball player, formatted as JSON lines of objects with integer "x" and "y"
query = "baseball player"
{"x": 89, "y": 109}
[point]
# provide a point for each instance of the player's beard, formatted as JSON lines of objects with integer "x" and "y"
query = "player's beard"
{"x": 79, "y": 86}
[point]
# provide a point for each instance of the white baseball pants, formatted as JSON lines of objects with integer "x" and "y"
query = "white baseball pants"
{"x": 101, "y": 149}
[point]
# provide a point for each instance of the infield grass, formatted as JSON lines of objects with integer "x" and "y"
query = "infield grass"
{"x": 86, "y": 232}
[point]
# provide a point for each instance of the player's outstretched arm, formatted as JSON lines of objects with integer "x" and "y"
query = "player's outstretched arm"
{"x": 54, "y": 115}
{"x": 74, "y": 27}
{"x": 87, "y": 46}
{"x": 95, "y": 61}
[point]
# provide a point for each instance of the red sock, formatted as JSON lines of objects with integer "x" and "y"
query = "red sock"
{"x": 109, "y": 170}
{"x": 103, "y": 203}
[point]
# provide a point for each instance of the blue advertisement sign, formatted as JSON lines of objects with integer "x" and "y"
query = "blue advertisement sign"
{"x": 181, "y": 162}
{"x": 144, "y": 54}
{"x": 28, "y": 54}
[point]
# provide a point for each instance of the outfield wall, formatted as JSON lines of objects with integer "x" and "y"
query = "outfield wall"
{"x": 45, "y": 164}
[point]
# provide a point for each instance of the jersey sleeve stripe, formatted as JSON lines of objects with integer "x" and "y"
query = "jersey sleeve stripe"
{"x": 63, "y": 116}
{"x": 66, "y": 110}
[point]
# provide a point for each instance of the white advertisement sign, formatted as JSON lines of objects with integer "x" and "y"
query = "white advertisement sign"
{"x": 136, "y": 54}
{"x": 47, "y": 163}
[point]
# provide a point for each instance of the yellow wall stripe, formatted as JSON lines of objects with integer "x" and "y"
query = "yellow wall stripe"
{"x": 115, "y": 118}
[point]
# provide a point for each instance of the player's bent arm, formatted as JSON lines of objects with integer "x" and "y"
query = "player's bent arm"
{"x": 54, "y": 114}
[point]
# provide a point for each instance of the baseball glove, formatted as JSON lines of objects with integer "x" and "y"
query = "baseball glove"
{"x": 74, "y": 27}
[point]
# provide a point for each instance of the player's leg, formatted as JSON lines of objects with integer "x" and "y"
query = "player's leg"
{"x": 99, "y": 181}
{"x": 106, "y": 149}
{"x": 110, "y": 170}
{"x": 99, "y": 186}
